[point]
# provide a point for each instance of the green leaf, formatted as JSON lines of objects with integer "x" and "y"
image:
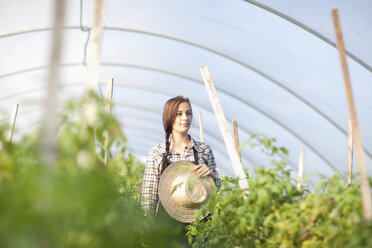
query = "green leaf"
{"x": 251, "y": 143}
{"x": 284, "y": 150}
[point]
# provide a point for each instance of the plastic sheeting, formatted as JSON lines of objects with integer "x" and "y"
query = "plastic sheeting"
{"x": 273, "y": 63}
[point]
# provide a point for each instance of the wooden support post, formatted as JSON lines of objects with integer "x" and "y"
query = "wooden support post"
{"x": 13, "y": 118}
{"x": 109, "y": 90}
{"x": 365, "y": 188}
{"x": 93, "y": 57}
{"x": 349, "y": 152}
{"x": 201, "y": 127}
{"x": 222, "y": 123}
{"x": 94, "y": 46}
{"x": 300, "y": 176}
{"x": 236, "y": 138}
{"x": 49, "y": 129}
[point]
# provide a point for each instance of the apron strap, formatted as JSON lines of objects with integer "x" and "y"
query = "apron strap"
{"x": 196, "y": 160}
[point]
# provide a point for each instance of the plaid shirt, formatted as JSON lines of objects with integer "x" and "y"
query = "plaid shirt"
{"x": 149, "y": 196}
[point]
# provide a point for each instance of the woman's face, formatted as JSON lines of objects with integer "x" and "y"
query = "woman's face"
{"x": 183, "y": 119}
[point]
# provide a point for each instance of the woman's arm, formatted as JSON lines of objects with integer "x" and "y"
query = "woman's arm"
{"x": 213, "y": 167}
{"x": 150, "y": 184}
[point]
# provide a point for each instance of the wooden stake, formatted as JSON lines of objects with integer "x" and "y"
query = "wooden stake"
{"x": 365, "y": 188}
{"x": 349, "y": 152}
{"x": 93, "y": 57}
{"x": 49, "y": 129}
{"x": 12, "y": 123}
{"x": 236, "y": 138}
{"x": 109, "y": 90}
{"x": 201, "y": 127}
{"x": 222, "y": 123}
{"x": 94, "y": 46}
{"x": 300, "y": 169}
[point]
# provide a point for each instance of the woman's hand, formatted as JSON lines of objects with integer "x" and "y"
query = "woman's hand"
{"x": 203, "y": 170}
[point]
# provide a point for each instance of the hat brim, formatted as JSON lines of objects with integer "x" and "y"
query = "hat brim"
{"x": 185, "y": 214}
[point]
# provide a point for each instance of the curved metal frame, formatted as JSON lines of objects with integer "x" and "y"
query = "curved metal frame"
{"x": 208, "y": 110}
{"x": 241, "y": 63}
{"x": 310, "y": 30}
{"x": 297, "y": 136}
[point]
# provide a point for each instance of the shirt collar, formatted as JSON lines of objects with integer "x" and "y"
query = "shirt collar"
{"x": 195, "y": 144}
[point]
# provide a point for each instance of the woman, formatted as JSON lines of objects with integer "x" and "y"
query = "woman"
{"x": 178, "y": 145}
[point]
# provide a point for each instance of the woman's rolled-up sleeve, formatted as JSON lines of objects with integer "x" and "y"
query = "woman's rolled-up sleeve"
{"x": 150, "y": 184}
{"x": 213, "y": 167}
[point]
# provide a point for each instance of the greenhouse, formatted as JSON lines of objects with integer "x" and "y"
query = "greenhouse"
{"x": 82, "y": 90}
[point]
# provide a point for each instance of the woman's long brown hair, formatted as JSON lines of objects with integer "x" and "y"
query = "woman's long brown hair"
{"x": 169, "y": 115}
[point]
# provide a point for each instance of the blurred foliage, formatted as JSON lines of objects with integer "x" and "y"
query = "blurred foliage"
{"x": 276, "y": 214}
{"x": 79, "y": 201}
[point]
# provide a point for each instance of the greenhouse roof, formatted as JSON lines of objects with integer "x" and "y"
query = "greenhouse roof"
{"x": 274, "y": 64}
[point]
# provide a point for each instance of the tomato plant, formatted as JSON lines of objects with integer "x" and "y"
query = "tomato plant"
{"x": 79, "y": 201}
{"x": 275, "y": 214}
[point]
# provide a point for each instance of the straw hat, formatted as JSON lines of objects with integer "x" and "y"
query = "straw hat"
{"x": 181, "y": 192}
